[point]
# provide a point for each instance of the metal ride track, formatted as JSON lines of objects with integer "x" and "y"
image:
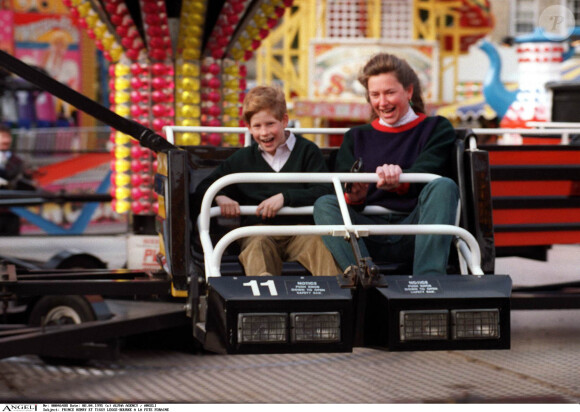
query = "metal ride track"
{"x": 542, "y": 367}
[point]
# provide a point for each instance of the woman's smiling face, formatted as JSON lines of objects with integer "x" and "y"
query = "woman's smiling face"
{"x": 388, "y": 98}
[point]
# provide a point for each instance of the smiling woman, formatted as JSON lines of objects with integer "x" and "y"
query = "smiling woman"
{"x": 399, "y": 139}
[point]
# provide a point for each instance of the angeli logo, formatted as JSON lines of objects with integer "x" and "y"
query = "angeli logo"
{"x": 19, "y": 408}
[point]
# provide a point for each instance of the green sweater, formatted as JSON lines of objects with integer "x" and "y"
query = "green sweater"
{"x": 422, "y": 146}
{"x": 305, "y": 157}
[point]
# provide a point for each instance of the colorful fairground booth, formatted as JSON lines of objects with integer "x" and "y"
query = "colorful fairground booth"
{"x": 330, "y": 40}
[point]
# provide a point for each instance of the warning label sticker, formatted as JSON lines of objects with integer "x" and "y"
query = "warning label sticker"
{"x": 307, "y": 287}
{"x": 420, "y": 287}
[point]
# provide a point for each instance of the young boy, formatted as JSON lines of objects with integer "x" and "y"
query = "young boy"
{"x": 264, "y": 111}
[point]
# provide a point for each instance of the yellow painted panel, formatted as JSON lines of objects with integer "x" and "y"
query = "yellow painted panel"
{"x": 162, "y": 164}
{"x": 161, "y": 210}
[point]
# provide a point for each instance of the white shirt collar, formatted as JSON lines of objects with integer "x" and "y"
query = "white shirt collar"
{"x": 291, "y": 140}
{"x": 407, "y": 118}
{"x": 279, "y": 159}
{"x": 4, "y": 156}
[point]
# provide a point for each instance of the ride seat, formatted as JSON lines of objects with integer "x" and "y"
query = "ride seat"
{"x": 470, "y": 171}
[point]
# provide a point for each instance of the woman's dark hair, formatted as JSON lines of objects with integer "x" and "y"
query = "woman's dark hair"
{"x": 388, "y": 63}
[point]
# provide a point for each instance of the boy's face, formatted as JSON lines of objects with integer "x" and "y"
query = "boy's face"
{"x": 268, "y": 131}
{"x": 5, "y": 141}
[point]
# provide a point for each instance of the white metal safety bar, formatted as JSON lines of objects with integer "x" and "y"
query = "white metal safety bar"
{"x": 464, "y": 252}
{"x": 336, "y": 230}
{"x": 565, "y": 129}
{"x": 213, "y": 257}
{"x": 564, "y": 132}
{"x": 297, "y": 211}
{"x": 171, "y": 130}
{"x": 554, "y": 125}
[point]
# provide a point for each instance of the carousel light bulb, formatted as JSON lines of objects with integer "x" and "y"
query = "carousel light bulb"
{"x": 158, "y": 53}
{"x": 189, "y": 83}
{"x": 136, "y": 193}
{"x": 191, "y": 97}
{"x": 194, "y": 31}
{"x": 84, "y": 9}
{"x": 192, "y": 42}
{"x": 189, "y": 110}
{"x": 190, "y": 69}
{"x": 159, "y": 83}
{"x": 237, "y": 54}
{"x": 159, "y": 97}
{"x": 214, "y": 111}
{"x": 122, "y": 192}
{"x": 122, "y": 206}
{"x": 136, "y": 110}
{"x": 231, "y": 70}
{"x": 121, "y": 152}
{"x": 260, "y": 19}
{"x": 198, "y": 6}
{"x": 108, "y": 40}
{"x": 116, "y": 52}
{"x": 214, "y": 68}
{"x": 196, "y": 19}
{"x": 231, "y": 98}
{"x": 214, "y": 83}
{"x": 252, "y": 31}
{"x": 191, "y": 54}
{"x": 159, "y": 69}
{"x": 122, "y": 138}
{"x": 190, "y": 122}
{"x": 92, "y": 19}
{"x": 232, "y": 139}
{"x": 137, "y": 207}
{"x": 122, "y": 97}
{"x": 158, "y": 125}
{"x": 122, "y": 166}
{"x": 232, "y": 111}
{"x": 122, "y": 179}
{"x": 244, "y": 42}
{"x": 190, "y": 139}
{"x": 123, "y": 110}
{"x": 214, "y": 96}
{"x": 137, "y": 151}
{"x": 215, "y": 139}
{"x": 159, "y": 110}
{"x": 122, "y": 69}
{"x": 231, "y": 84}
{"x": 267, "y": 8}
{"x": 136, "y": 179}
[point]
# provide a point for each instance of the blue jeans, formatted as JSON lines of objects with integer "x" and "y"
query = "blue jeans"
{"x": 437, "y": 204}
